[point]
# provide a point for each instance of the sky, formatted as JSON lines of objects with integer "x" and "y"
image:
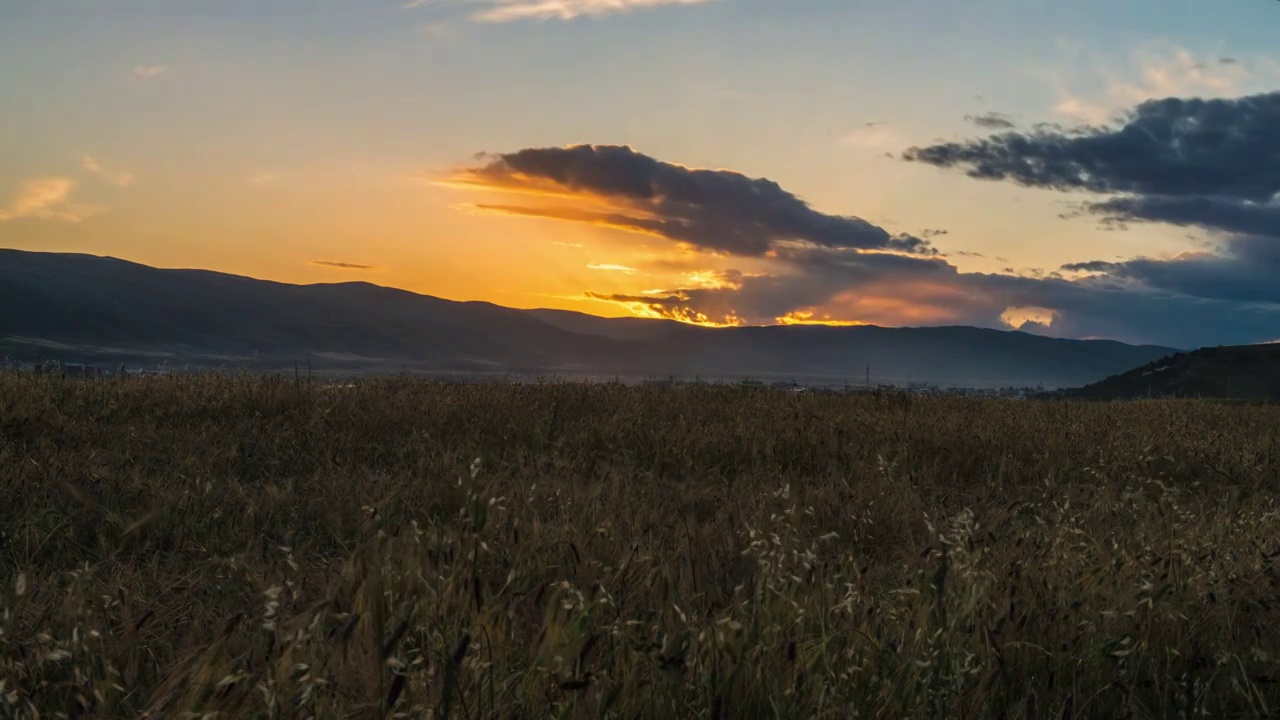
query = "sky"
{"x": 1084, "y": 169}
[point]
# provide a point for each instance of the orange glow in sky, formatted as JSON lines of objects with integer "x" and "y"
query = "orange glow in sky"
{"x": 542, "y": 154}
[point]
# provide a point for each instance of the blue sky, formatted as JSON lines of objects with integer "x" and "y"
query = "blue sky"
{"x": 259, "y": 137}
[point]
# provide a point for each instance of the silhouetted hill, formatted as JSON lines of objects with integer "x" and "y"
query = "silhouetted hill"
{"x": 112, "y": 310}
{"x": 1244, "y": 372}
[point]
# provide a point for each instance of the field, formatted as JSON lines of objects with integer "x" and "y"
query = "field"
{"x": 265, "y": 548}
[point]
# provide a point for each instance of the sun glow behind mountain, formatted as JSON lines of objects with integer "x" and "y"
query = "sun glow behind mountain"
{"x": 673, "y": 158}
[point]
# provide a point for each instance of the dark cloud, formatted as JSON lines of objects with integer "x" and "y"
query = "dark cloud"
{"x": 1203, "y": 275}
{"x": 933, "y": 232}
{"x": 1209, "y": 164}
{"x": 991, "y": 121}
{"x": 1219, "y": 214}
{"x": 1099, "y": 266}
{"x": 1214, "y": 164}
{"x": 1243, "y": 268}
{"x": 342, "y": 265}
{"x": 1226, "y": 148}
{"x": 901, "y": 290}
{"x": 800, "y": 263}
{"x": 715, "y": 210}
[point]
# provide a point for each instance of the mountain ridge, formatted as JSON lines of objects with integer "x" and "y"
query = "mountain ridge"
{"x": 1246, "y": 372}
{"x": 94, "y": 303}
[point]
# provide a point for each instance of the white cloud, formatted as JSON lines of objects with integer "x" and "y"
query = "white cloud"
{"x": 47, "y": 198}
{"x": 610, "y": 267}
{"x": 1153, "y": 71}
{"x": 147, "y": 72}
{"x": 509, "y": 10}
{"x": 115, "y": 177}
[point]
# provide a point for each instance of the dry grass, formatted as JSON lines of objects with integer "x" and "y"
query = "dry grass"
{"x": 256, "y": 548}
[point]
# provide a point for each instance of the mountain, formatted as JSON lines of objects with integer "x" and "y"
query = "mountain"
{"x": 1243, "y": 371}
{"x": 108, "y": 310}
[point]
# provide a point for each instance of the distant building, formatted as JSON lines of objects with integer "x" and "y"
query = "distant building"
{"x": 68, "y": 370}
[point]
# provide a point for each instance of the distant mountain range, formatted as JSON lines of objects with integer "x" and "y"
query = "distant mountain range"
{"x": 85, "y": 307}
{"x": 1250, "y": 372}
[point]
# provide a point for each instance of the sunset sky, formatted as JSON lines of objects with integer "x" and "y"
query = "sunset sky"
{"x": 1081, "y": 168}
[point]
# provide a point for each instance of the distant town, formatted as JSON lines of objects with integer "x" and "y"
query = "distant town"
{"x": 91, "y": 370}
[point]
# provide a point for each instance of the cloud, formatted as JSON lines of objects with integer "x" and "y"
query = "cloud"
{"x": 991, "y": 121}
{"x": 342, "y": 265}
{"x": 1208, "y": 163}
{"x": 1245, "y": 269}
{"x": 1224, "y": 148}
{"x": 1152, "y": 71}
{"x": 1212, "y": 164}
{"x": 1216, "y": 214}
{"x": 496, "y": 11}
{"x": 717, "y": 211}
{"x": 148, "y": 72}
{"x": 800, "y": 280}
{"x": 894, "y": 290}
{"x": 118, "y": 177}
{"x": 47, "y": 198}
{"x": 610, "y": 267}
{"x": 753, "y": 253}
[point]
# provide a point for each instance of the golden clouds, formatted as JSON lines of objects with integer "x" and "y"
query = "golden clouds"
{"x": 119, "y": 178}
{"x": 706, "y": 218}
{"x": 810, "y": 317}
{"x": 46, "y": 198}
{"x": 612, "y": 267}
{"x": 1030, "y": 317}
{"x": 657, "y": 309}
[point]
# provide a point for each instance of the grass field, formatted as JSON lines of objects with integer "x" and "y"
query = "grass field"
{"x": 260, "y": 548}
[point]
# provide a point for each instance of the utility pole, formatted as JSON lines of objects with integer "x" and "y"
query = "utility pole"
{"x": 868, "y": 381}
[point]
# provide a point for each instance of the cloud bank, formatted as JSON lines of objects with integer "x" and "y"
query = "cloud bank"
{"x": 496, "y": 11}
{"x": 1171, "y": 147}
{"x": 768, "y": 257}
{"x": 717, "y": 211}
{"x": 1207, "y": 164}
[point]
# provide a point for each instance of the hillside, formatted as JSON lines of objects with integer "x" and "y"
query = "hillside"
{"x": 110, "y": 310}
{"x": 1243, "y": 372}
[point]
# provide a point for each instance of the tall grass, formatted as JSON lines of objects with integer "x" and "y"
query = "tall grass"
{"x": 264, "y": 548}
